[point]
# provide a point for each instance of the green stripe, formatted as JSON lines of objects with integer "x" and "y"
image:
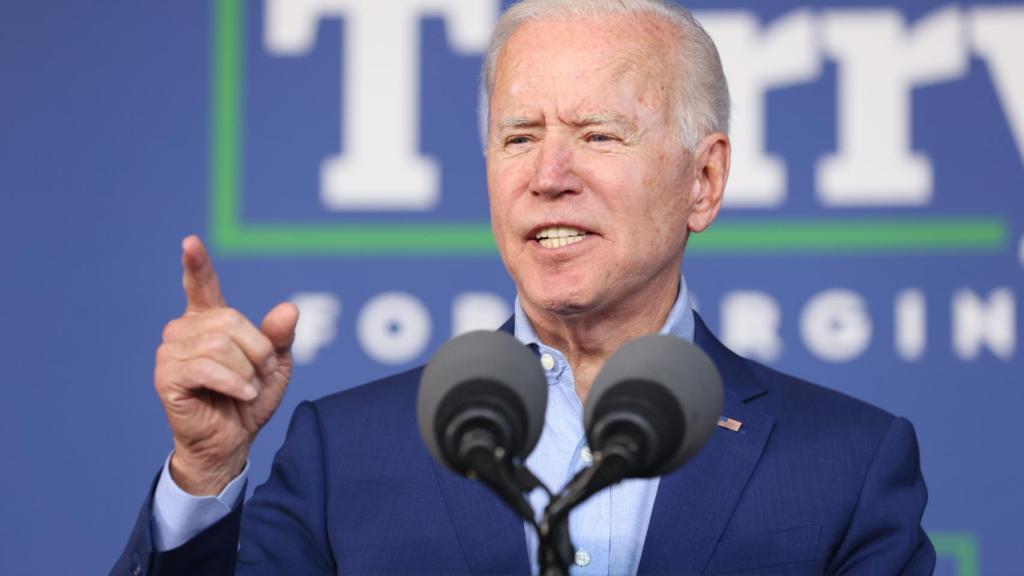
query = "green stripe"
{"x": 962, "y": 547}
{"x": 225, "y": 125}
{"x": 230, "y": 235}
{"x": 861, "y": 236}
{"x": 363, "y": 239}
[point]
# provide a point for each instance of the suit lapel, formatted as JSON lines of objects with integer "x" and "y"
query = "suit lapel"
{"x": 492, "y": 537}
{"x": 694, "y": 504}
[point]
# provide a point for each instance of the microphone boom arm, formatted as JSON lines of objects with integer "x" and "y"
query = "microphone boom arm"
{"x": 491, "y": 464}
{"x": 611, "y": 465}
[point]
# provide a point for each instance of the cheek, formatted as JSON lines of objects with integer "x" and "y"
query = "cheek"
{"x": 499, "y": 190}
{"x": 508, "y": 177}
{"x": 665, "y": 211}
{"x": 506, "y": 186}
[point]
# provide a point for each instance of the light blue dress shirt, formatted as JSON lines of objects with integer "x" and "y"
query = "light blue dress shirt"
{"x": 608, "y": 530}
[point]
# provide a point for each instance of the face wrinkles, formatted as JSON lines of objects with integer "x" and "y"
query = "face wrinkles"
{"x": 626, "y": 66}
{"x": 583, "y": 142}
{"x": 604, "y": 119}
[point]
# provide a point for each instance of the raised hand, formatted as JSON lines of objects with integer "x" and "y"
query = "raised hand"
{"x": 219, "y": 377}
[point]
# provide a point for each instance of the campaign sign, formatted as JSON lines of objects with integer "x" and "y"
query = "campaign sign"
{"x": 330, "y": 153}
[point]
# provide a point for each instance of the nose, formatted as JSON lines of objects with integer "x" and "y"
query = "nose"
{"x": 555, "y": 169}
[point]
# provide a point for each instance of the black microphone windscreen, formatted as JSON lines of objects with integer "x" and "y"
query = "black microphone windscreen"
{"x": 667, "y": 378}
{"x": 484, "y": 369}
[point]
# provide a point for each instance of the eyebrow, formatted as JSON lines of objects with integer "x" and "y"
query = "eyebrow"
{"x": 600, "y": 118}
{"x": 519, "y": 122}
{"x": 596, "y": 119}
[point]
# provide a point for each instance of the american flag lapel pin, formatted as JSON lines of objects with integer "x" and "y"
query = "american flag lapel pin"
{"x": 730, "y": 424}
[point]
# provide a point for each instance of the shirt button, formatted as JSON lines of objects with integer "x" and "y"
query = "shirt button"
{"x": 586, "y": 456}
{"x": 547, "y": 361}
{"x": 582, "y": 558}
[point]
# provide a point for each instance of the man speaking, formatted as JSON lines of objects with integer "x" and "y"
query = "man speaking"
{"x": 606, "y": 148}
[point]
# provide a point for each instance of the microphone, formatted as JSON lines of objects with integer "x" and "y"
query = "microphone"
{"x": 652, "y": 407}
{"x": 480, "y": 410}
{"x": 656, "y": 402}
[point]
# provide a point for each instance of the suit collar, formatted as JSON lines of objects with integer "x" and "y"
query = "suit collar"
{"x": 509, "y": 326}
{"x": 737, "y": 377}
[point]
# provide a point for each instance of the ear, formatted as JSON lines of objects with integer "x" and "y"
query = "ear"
{"x": 711, "y": 168}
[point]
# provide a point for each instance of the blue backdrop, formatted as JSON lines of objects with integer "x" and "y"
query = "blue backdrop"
{"x": 873, "y": 241}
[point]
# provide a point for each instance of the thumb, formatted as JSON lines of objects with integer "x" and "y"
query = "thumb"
{"x": 279, "y": 325}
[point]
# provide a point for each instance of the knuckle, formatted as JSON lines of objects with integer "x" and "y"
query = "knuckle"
{"x": 263, "y": 348}
{"x": 171, "y": 330}
{"x": 163, "y": 377}
{"x": 163, "y": 353}
{"x": 216, "y": 344}
{"x": 228, "y": 319}
{"x": 212, "y": 318}
{"x": 208, "y": 371}
{"x": 234, "y": 318}
{"x": 198, "y": 371}
{"x": 248, "y": 371}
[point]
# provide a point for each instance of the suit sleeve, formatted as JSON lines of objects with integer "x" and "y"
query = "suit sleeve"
{"x": 885, "y": 534}
{"x": 280, "y": 530}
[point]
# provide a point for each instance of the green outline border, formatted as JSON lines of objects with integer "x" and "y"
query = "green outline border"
{"x": 962, "y": 547}
{"x": 229, "y": 234}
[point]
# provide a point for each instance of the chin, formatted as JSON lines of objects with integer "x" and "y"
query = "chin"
{"x": 558, "y": 297}
{"x": 566, "y": 308}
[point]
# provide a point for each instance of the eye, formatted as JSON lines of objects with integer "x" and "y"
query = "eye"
{"x": 600, "y": 138}
{"x": 513, "y": 140}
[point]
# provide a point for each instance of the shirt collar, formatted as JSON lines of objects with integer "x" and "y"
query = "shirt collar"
{"x": 680, "y": 322}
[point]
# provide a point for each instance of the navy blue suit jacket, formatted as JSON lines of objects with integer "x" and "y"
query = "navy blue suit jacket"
{"x": 814, "y": 482}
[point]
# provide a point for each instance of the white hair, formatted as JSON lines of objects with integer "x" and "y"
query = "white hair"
{"x": 702, "y": 98}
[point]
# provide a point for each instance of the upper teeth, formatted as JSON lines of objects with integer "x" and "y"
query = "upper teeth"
{"x": 559, "y": 232}
{"x": 556, "y": 237}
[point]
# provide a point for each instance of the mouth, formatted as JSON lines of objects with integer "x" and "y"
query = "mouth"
{"x": 559, "y": 236}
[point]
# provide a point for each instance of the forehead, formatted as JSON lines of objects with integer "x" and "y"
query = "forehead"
{"x": 595, "y": 55}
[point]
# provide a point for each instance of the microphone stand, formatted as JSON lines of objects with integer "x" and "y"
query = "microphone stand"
{"x": 490, "y": 463}
{"x": 555, "y": 549}
{"x": 485, "y": 460}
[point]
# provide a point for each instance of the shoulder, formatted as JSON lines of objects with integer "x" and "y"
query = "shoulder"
{"x": 793, "y": 397}
{"x": 817, "y": 424}
{"x": 371, "y": 413}
{"x": 396, "y": 388}
{"x": 796, "y": 405}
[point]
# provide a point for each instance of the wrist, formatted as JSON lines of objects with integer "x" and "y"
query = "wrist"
{"x": 203, "y": 476}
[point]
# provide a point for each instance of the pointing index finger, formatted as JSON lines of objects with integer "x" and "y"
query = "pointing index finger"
{"x": 202, "y": 289}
